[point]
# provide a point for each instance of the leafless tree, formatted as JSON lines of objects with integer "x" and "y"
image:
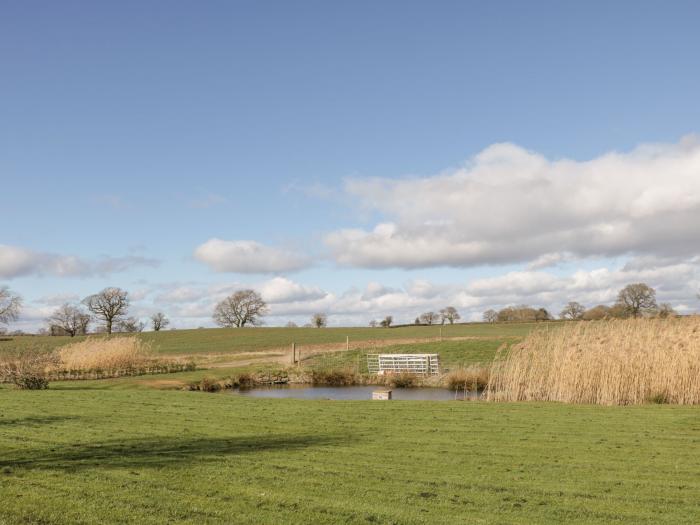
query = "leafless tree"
{"x": 373, "y": 323}
{"x": 429, "y": 317}
{"x": 110, "y": 305}
{"x": 70, "y": 320}
{"x": 573, "y": 311}
{"x": 131, "y": 325}
{"x": 637, "y": 299}
{"x": 10, "y": 305}
{"x": 665, "y": 311}
{"x": 245, "y": 307}
{"x": 319, "y": 320}
{"x": 449, "y": 314}
{"x": 386, "y": 322}
{"x": 490, "y": 316}
{"x": 159, "y": 321}
{"x": 292, "y": 324}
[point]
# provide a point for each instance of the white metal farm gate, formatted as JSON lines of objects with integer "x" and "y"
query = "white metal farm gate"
{"x": 426, "y": 364}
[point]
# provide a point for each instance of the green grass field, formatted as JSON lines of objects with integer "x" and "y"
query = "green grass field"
{"x": 130, "y": 451}
{"x": 453, "y": 354}
{"x": 145, "y": 456}
{"x": 231, "y": 340}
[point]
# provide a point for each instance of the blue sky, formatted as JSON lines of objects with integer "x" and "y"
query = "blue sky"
{"x": 132, "y": 133}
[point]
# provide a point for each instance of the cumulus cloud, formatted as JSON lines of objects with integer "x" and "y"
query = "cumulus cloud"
{"x": 283, "y": 290}
{"x": 510, "y": 205}
{"x": 248, "y": 257}
{"x": 191, "y": 304}
{"x": 16, "y": 261}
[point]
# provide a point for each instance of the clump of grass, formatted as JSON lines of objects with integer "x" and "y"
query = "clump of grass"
{"x": 210, "y": 384}
{"x": 616, "y": 362}
{"x": 245, "y": 380}
{"x": 336, "y": 377}
{"x": 403, "y": 380}
{"x": 659, "y": 398}
{"x": 471, "y": 379}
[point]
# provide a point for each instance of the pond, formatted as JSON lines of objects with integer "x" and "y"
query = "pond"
{"x": 353, "y": 393}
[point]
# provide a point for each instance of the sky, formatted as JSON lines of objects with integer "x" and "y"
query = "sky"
{"x": 360, "y": 159}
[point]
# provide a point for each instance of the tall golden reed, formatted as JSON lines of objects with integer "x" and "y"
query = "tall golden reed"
{"x": 616, "y": 362}
{"x": 105, "y": 353}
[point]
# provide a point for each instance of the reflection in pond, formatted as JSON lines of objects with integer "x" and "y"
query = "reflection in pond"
{"x": 354, "y": 393}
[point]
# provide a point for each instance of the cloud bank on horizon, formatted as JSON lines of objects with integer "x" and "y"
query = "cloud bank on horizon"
{"x": 505, "y": 207}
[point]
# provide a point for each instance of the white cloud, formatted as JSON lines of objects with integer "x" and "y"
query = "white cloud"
{"x": 191, "y": 304}
{"x": 282, "y": 290}
{"x": 510, "y": 205}
{"x": 16, "y": 261}
{"x": 248, "y": 257}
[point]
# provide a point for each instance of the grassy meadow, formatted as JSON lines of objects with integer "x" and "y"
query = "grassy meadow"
{"x": 144, "y": 456}
{"x": 141, "y": 450}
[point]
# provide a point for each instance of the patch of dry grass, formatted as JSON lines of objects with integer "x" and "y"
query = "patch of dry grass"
{"x": 616, "y": 362}
{"x": 469, "y": 379}
{"x": 102, "y": 353}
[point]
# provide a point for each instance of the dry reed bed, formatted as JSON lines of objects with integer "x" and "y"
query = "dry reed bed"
{"x": 616, "y": 362}
{"x": 98, "y": 358}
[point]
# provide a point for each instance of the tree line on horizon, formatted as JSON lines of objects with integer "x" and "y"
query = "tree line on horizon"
{"x": 110, "y": 306}
{"x": 634, "y": 300}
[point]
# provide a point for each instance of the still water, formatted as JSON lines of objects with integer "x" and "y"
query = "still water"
{"x": 353, "y": 393}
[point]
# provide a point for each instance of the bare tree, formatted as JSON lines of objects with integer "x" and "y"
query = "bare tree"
{"x": 70, "y": 320}
{"x": 573, "y": 311}
{"x": 10, "y": 305}
{"x": 449, "y": 314}
{"x": 490, "y": 316}
{"x": 131, "y": 325}
{"x": 110, "y": 306}
{"x": 386, "y": 322}
{"x": 637, "y": 299}
{"x": 373, "y": 324}
{"x": 159, "y": 321}
{"x": 665, "y": 311}
{"x": 429, "y": 317}
{"x": 319, "y": 320}
{"x": 245, "y": 307}
{"x": 292, "y": 324}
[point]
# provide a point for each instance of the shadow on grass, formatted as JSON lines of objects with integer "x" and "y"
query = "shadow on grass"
{"x": 160, "y": 451}
{"x": 36, "y": 421}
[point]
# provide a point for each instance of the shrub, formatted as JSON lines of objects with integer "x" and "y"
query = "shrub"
{"x": 336, "y": 377}
{"x": 27, "y": 369}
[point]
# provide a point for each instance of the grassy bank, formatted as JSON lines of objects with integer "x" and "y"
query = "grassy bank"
{"x": 153, "y": 457}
